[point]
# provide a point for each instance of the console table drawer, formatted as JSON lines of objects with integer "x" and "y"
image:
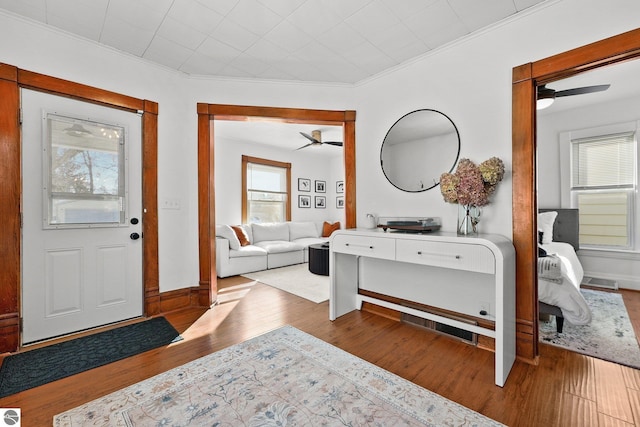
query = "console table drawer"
{"x": 450, "y": 255}
{"x": 374, "y": 247}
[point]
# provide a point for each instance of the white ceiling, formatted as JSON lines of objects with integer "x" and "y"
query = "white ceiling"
{"x": 334, "y": 41}
{"x": 338, "y": 41}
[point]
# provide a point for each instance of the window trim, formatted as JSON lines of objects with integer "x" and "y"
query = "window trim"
{"x": 567, "y": 192}
{"x": 266, "y": 162}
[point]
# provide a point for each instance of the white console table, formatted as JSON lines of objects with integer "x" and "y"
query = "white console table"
{"x": 474, "y": 276}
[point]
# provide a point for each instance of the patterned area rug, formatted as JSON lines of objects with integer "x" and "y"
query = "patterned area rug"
{"x": 295, "y": 279}
{"x": 609, "y": 336}
{"x": 284, "y": 377}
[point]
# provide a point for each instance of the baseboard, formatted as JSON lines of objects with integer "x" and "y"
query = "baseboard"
{"x": 178, "y": 299}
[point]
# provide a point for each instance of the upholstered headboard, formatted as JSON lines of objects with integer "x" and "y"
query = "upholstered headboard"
{"x": 566, "y": 228}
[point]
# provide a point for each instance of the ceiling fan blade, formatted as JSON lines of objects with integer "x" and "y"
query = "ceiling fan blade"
{"x": 336, "y": 143}
{"x": 305, "y": 146}
{"x": 582, "y": 90}
{"x": 309, "y": 137}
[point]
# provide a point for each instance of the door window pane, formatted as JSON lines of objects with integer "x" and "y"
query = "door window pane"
{"x": 84, "y": 184}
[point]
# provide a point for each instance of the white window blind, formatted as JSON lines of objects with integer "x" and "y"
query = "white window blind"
{"x": 603, "y": 162}
{"x": 267, "y": 179}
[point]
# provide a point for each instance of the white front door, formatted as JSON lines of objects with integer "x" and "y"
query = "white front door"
{"x": 82, "y": 213}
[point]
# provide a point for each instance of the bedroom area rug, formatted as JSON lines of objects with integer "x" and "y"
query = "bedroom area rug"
{"x": 295, "y": 279}
{"x": 283, "y": 377}
{"x": 609, "y": 336}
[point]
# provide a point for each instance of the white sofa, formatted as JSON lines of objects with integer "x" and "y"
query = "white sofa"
{"x": 270, "y": 246}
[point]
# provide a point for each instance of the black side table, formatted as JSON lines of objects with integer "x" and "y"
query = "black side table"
{"x": 319, "y": 259}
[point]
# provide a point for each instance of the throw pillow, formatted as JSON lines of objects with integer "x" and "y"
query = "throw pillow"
{"x": 549, "y": 268}
{"x": 242, "y": 235}
{"x": 227, "y": 232}
{"x": 545, "y": 225}
{"x": 300, "y": 230}
{"x": 328, "y": 228}
{"x": 270, "y": 232}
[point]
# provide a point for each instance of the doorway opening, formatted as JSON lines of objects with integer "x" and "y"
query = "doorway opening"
{"x": 207, "y": 115}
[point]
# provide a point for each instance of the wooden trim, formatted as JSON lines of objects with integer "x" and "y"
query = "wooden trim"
{"x": 612, "y": 50}
{"x": 53, "y": 85}
{"x": 10, "y": 211}
{"x": 11, "y": 80}
{"x": 206, "y": 209}
{"x": 207, "y": 113}
{"x": 526, "y": 77}
{"x": 248, "y": 159}
{"x": 178, "y": 299}
{"x": 8, "y": 72}
{"x": 243, "y": 190}
{"x": 289, "y": 197}
{"x": 151, "y": 273}
{"x": 281, "y": 115}
{"x": 349, "y": 158}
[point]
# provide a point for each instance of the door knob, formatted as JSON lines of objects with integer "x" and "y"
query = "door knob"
{"x": 134, "y": 236}
{"x": 134, "y": 221}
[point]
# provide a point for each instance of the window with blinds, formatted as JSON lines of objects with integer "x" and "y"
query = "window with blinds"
{"x": 603, "y": 183}
{"x": 267, "y": 190}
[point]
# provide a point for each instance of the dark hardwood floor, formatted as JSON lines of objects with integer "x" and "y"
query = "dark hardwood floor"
{"x": 565, "y": 389}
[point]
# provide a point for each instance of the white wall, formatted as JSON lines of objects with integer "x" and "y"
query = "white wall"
{"x": 470, "y": 82}
{"x": 34, "y": 47}
{"x": 228, "y": 176}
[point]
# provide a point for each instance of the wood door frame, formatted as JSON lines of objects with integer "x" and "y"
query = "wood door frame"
{"x": 526, "y": 78}
{"x": 12, "y": 79}
{"x": 207, "y": 113}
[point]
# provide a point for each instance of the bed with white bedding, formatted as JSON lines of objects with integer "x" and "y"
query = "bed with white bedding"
{"x": 560, "y": 272}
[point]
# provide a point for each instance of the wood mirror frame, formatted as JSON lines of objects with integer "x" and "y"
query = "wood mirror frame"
{"x": 207, "y": 288}
{"x": 526, "y": 78}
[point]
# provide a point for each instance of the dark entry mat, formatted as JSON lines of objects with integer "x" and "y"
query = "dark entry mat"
{"x": 22, "y": 371}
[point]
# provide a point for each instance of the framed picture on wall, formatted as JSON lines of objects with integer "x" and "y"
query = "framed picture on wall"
{"x": 321, "y": 202}
{"x": 304, "y": 184}
{"x": 340, "y": 202}
{"x": 321, "y": 186}
{"x": 304, "y": 201}
{"x": 339, "y": 187}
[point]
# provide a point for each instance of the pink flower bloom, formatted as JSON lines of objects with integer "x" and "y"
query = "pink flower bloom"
{"x": 471, "y": 184}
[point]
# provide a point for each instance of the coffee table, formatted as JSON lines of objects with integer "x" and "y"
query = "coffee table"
{"x": 319, "y": 259}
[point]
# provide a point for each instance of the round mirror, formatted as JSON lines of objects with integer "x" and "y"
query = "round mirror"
{"x": 418, "y": 148}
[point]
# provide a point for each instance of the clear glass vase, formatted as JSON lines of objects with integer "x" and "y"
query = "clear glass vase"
{"x": 468, "y": 218}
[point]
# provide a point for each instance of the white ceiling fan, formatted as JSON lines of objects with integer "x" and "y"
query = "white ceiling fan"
{"x": 316, "y": 140}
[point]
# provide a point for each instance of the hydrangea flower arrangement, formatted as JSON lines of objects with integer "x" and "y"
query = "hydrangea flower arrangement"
{"x": 471, "y": 185}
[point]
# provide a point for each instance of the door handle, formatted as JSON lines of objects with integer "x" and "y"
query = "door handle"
{"x": 134, "y": 236}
